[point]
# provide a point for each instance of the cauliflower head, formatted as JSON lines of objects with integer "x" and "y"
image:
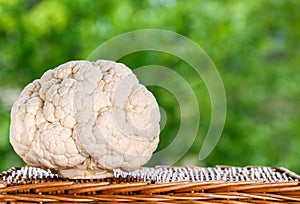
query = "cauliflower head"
{"x": 85, "y": 115}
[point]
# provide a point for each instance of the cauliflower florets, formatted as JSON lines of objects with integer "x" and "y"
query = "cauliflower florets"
{"x": 85, "y": 115}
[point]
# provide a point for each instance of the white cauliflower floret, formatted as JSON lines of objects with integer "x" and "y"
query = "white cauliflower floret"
{"x": 85, "y": 115}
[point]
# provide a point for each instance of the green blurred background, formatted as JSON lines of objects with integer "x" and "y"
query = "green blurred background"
{"x": 255, "y": 44}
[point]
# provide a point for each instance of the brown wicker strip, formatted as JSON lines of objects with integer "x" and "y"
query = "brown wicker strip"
{"x": 72, "y": 185}
{"x": 157, "y": 185}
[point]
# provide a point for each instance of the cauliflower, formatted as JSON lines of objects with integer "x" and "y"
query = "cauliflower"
{"x": 85, "y": 117}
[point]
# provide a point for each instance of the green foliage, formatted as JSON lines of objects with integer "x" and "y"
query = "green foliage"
{"x": 254, "y": 44}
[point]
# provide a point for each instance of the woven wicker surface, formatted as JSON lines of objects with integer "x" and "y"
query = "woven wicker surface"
{"x": 160, "y": 184}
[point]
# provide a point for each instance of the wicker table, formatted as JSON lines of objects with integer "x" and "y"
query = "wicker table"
{"x": 221, "y": 184}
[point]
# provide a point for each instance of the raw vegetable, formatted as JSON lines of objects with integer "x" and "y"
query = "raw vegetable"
{"x": 84, "y": 119}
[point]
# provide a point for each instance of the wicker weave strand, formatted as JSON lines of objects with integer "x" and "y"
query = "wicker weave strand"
{"x": 174, "y": 174}
{"x": 164, "y": 174}
{"x": 160, "y": 184}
